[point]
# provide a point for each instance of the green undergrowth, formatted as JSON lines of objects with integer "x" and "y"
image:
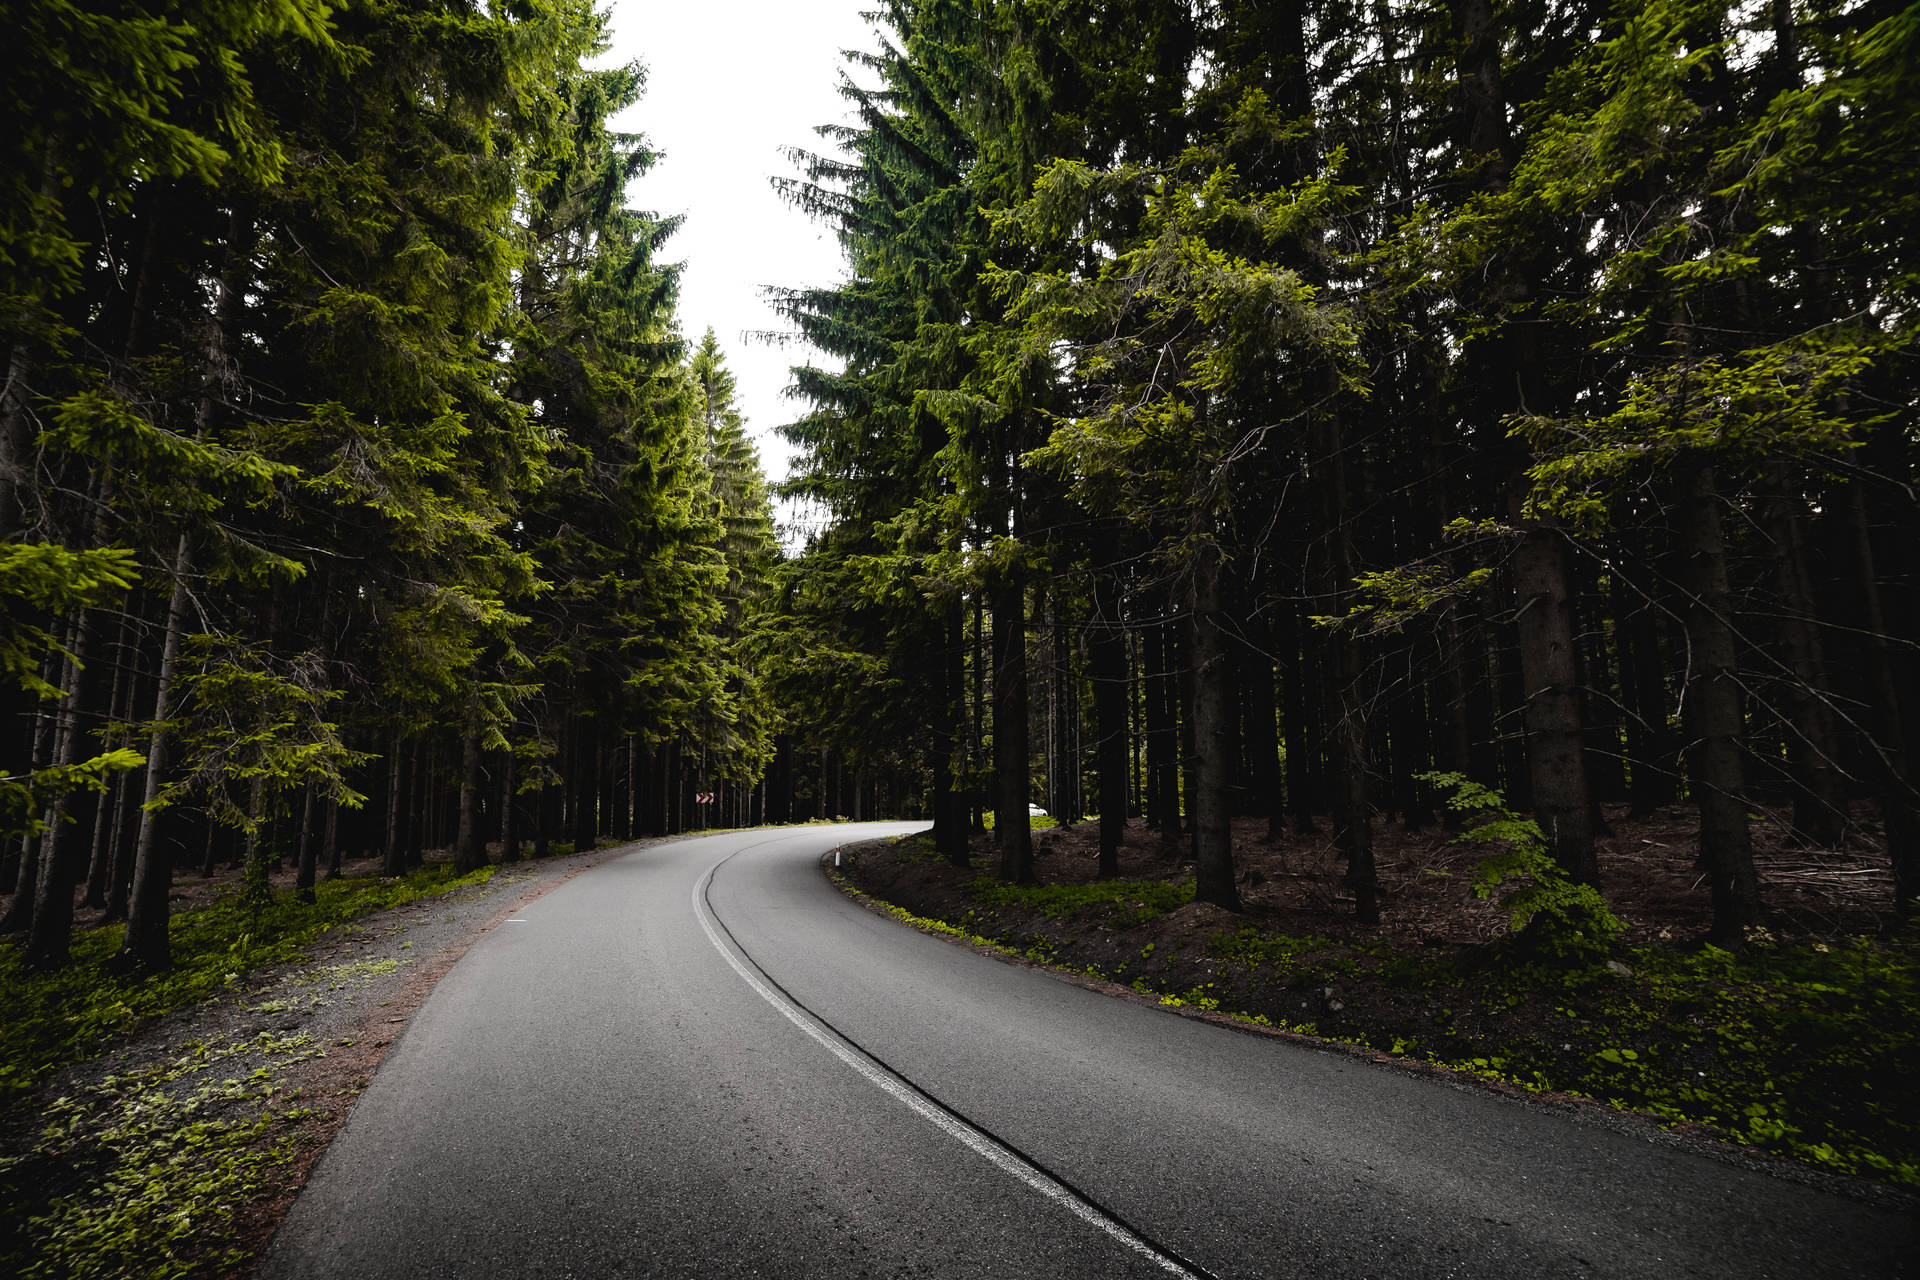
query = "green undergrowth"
{"x": 50, "y": 1019}
{"x": 917, "y": 847}
{"x": 1803, "y": 1050}
{"x": 144, "y": 1176}
{"x": 1123, "y": 904}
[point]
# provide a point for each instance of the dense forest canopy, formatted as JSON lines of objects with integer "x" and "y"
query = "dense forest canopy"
{"x": 358, "y": 492}
{"x": 1237, "y": 409}
{"x": 1295, "y": 411}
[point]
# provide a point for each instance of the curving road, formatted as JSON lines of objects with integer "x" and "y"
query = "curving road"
{"x": 700, "y": 1060}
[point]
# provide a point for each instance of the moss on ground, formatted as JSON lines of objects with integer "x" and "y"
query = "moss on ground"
{"x": 145, "y": 1172}
{"x": 51, "y": 1019}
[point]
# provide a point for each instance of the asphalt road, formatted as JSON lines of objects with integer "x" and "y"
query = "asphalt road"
{"x": 701, "y": 1060}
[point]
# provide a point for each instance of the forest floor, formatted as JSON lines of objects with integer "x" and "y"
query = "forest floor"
{"x": 1798, "y": 1048}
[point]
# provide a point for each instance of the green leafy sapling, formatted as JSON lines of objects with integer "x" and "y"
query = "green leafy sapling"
{"x": 1555, "y": 917}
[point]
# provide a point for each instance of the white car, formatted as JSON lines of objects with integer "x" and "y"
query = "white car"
{"x": 1035, "y": 811}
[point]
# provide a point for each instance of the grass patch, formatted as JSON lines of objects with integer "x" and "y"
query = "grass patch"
{"x": 1802, "y": 1051}
{"x": 1123, "y": 904}
{"x": 917, "y": 847}
{"x": 1294, "y": 958}
{"x": 52, "y": 1019}
{"x": 1805, "y": 1051}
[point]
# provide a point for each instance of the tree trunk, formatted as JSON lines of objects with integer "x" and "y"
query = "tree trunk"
{"x": 1011, "y": 829}
{"x": 1213, "y": 725}
{"x": 15, "y": 438}
{"x": 1353, "y": 812}
{"x": 1298, "y": 734}
{"x": 630, "y": 809}
{"x": 1262, "y": 733}
{"x": 509, "y": 808}
{"x": 308, "y": 870}
{"x": 1713, "y": 699}
{"x": 51, "y": 929}
{"x": 469, "y": 843}
{"x": 1163, "y": 757}
{"x": 1188, "y": 793}
{"x": 949, "y": 800}
{"x": 146, "y": 936}
{"x": 1819, "y": 796}
{"x": 543, "y": 817}
{"x": 107, "y": 814}
{"x": 1556, "y": 753}
{"x": 1063, "y": 768}
{"x": 1107, "y": 663}
{"x": 1888, "y": 751}
{"x": 394, "y": 856}
{"x": 331, "y": 840}
{"x": 1652, "y": 752}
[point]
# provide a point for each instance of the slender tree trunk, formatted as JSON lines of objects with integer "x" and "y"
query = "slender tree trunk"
{"x": 1188, "y": 793}
{"x": 1347, "y": 709}
{"x": 1510, "y": 723}
{"x": 15, "y": 437}
{"x": 1163, "y": 787}
{"x": 394, "y": 859}
{"x": 1063, "y": 769}
{"x": 1652, "y": 753}
{"x": 1556, "y": 754}
{"x": 1012, "y": 832}
{"x": 26, "y": 880}
{"x": 257, "y": 846}
{"x": 331, "y": 841}
{"x": 1262, "y": 735}
{"x": 1819, "y": 796}
{"x": 1297, "y": 732}
{"x": 146, "y": 936}
{"x": 1353, "y": 811}
{"x": 469, "y": 843}
{"x": 543, "y": 818}
{"x": 1213, "y": 725}
{"x": 1107, "y": 663}
{"x": 307, "y": 872}
{"x": 1407, "y": 720}
{"x": 51, "y": 929}
{"x": 420, "y": 804}
{"x": 1713, "y": 698}
{"x": 106, "y": 820}
{"x": 977, "y": 723}
{"x": 509, "y": 808}
{"x": 630, "y": 808}
{"x": 949, "y": 800}
{"x": 1888, "y": 751}
{"x": 585, "y": 788}
{"x": 1135, "y": 659}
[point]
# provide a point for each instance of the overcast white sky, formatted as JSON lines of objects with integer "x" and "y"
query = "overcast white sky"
{"x": 730, "y": 83}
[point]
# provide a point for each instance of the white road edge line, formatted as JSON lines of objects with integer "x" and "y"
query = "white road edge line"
{"x": 955, "y": 1128}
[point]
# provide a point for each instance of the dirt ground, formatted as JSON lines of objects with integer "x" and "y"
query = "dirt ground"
{"x": 1648, "y": 867}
